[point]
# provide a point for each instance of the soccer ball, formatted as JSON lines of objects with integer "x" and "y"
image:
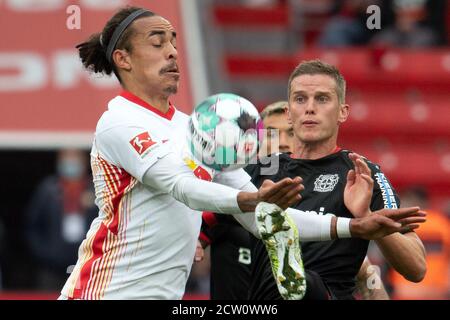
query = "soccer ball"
{"x": 223, "y": 132}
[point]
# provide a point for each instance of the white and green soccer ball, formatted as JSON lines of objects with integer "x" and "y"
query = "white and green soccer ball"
{"x": 223, "y": 132}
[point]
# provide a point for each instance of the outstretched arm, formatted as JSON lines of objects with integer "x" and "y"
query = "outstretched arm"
{"x": 312, "y": 227}
{"x": 168, "y": 176}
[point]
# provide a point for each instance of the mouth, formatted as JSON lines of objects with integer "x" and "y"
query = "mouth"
{"x": 309, "y": 123}
{"x": 171, "y": 70}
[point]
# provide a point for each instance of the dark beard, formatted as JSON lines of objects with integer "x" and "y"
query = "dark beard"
{"x": 171, "y": 90}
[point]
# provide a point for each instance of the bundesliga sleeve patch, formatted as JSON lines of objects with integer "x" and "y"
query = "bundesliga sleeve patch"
{"x": 142, "y": 143}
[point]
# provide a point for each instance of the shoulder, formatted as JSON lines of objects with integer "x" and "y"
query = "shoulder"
{"x": 117, "y": 114}
{"x": 374, "y": 167}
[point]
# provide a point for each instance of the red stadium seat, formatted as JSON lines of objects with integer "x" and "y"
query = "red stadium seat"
{"x": 405, "y": 164}
{"x": 375, "y": 113}
{"x": 361, "y": 67}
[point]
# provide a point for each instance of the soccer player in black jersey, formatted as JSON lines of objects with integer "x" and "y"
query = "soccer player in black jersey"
{"x": 316, "y": 94}
{"x": 230, "y": 253}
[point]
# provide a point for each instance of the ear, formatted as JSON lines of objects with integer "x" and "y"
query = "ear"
{"x": 122, "y": 59}
{"x": 343, "y": 113}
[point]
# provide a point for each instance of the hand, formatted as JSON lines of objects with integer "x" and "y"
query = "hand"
{"x": 359, "y": 187}
{"x": 199, "y": 252}
{"x": 386, "y": 221}
{"x": 283, "y": 193}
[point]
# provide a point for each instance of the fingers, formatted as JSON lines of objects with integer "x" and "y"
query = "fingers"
{"x": 354, "y": 158}
{"x": 362, "y": 166}
{"x": 286, "y": 203}
{"x": 409, "y": 228}
{"x": 276, "y": 187}
{"x": 367, "y": 178}
{"x": 351, "y": 177}
{"x": 411, "y": 220}
{"x": 281, "y": 188}
{"x": 287, "y": 196}
{"x": 387, "y": 222}
{"x": 291, "y": 198}
{"x": 398, "y": 214}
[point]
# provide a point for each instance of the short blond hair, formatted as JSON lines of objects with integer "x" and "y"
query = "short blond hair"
{"x": 274, "y": 108}
{"x": 313, "y": 67}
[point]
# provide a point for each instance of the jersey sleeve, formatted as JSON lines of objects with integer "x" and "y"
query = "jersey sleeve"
{"x": 132, "y": 148}
{"x": 384, "y": 194}
{"x": 236, "y": 179}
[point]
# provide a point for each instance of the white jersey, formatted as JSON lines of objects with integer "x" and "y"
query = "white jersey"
{"x": 142, "y": 244}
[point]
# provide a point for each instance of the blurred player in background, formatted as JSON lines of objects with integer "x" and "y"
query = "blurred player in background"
{"x": 317, "y": 108}
{"x": 58, "y": 216}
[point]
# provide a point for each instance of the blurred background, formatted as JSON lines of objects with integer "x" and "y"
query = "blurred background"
{"x": 398, "y": 80}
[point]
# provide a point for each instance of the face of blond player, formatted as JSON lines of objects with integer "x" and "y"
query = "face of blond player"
{"x": 279, "y": 127}
{"x": 314, "y": 109}
{"x": 152, "y": 62}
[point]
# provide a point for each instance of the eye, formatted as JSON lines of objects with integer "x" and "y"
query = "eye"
{"x": 323, "y": 98}
{"x": 157, "y": 45}
{"x": 299, "y": 99}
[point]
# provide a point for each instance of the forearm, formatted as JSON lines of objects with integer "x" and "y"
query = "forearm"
{"x": 168, "y": 176}
{"x": 208, "y": 196}
{"x": 405, "y": 253}
{"x": 369, "y": 284}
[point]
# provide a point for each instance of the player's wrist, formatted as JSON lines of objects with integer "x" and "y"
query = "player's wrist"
{"x": 247, "y": 201}
{"x": 333, "y": 230}
{"x": 340, "y": 228}
{"x": 355, "y": 227}
{"x": 343, "y": 228}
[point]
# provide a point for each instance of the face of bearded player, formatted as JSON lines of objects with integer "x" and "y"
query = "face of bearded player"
{"x": 151, "y": 64}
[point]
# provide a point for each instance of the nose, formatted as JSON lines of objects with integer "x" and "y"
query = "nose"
{"x": 172, "y": 52}
{"x": 309, "y": 108}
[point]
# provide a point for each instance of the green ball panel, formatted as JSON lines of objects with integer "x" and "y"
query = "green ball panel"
{"x": 225, "y": 155}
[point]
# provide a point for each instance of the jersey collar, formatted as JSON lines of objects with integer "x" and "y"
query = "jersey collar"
{"x": 135, "y": 99}
{"x": 336, "y": 150}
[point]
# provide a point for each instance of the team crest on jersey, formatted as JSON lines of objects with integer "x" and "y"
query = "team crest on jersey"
{"x": 326, "y": 182}
{"x": 142, "y": 142}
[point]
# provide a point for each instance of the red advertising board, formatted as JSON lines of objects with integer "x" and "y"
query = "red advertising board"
{"x": 46, "y": 98}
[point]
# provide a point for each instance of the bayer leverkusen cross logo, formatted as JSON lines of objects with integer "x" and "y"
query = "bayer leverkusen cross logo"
{"x": 142, "y": 142}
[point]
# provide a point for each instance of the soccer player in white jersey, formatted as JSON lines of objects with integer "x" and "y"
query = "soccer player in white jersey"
{"x": 142, "y": 244}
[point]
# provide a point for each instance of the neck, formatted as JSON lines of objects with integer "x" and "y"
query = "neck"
{"x": 160, "y": 102}
{"x": 314, "y": 150}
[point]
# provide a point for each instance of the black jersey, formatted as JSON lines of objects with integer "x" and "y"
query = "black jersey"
{"x": 230, "y": 256}
{"x": 337, "y": 261}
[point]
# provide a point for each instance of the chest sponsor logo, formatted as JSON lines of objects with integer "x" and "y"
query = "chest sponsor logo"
{"x": 142, "y": 142}
{"x": 326, "y": 182}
